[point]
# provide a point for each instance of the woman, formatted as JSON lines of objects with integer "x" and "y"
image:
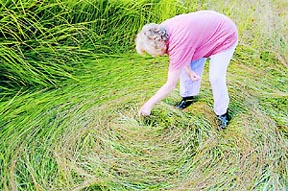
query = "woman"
{"x": 188, "y": 40}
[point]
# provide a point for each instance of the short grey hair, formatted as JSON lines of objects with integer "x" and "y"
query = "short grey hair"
{"x": 151, "y": 39}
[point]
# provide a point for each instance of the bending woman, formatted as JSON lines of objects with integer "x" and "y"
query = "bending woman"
{"x": 188, "y": 40}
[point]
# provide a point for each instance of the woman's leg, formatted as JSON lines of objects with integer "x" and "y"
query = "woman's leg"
{"x": 217, "y": 76}
{"x": 188, "y": 87}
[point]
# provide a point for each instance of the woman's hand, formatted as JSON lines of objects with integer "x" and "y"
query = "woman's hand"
{"x": 145, "y": 110}
{"x": 193, "y": 76}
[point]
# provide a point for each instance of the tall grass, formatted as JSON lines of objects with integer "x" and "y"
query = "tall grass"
{"x": 86, "y": 134}
{"x": 42, "y": 41}
{"x": 36, "y": 41}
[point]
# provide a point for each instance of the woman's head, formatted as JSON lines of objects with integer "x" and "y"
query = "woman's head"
{"x": 151, "y": 39}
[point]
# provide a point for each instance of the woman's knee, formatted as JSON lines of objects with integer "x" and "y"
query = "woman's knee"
{"x": 214, "y": 80}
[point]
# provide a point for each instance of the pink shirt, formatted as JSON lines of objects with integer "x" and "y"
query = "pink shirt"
{"x": 198, "y": 35}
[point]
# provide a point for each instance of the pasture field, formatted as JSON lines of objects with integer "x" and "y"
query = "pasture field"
{"x": 71, "y": 85}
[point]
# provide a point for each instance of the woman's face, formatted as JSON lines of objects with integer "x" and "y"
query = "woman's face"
{"x": 157, "y": 53}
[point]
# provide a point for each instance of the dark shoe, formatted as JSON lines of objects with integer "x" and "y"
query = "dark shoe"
{"x": 185, "y": 102}
{"x": 223, "y": 120}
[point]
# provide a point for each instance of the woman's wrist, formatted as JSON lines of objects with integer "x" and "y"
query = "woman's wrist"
{"x": 150, "y": 103}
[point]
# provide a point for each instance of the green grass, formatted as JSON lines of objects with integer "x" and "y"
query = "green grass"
{"x": 87, "y": 135}
{"x": 73, "y": 124}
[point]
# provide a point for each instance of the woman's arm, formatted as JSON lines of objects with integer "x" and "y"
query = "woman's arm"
{"x": 170, "y": 84}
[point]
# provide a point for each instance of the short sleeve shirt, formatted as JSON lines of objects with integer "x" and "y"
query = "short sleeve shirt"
{"x": 198, "y": 35}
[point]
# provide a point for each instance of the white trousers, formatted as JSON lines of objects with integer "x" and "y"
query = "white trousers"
{"x": 217, "y": 77}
